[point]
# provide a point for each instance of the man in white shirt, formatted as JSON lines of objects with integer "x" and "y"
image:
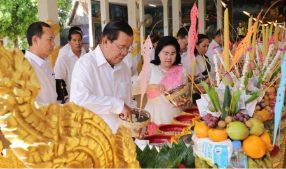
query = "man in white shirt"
{"x": 67, "y": 47}
{"x": 182, "y": 37}
{"x": 65, "y": 63}
{"x": 40, "y": 37}
{"x": 216, "y": 42}
{"x": 101, "y": 82}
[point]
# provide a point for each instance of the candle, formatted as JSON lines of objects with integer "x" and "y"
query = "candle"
{"x": 249, "y": 26}
{"x": 253, "y": 43}
{"x": 226, "y": 40}
{"x": 270, "y": 32}
{"x": 264, "y": 40}
{"x": 267, "y": 40}
{"x": 276, "y": 35}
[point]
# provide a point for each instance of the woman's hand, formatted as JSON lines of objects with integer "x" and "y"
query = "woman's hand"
{"x": 160, "y": 88}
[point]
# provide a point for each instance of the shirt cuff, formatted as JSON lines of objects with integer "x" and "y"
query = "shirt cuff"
{"x": 117, "y": 106}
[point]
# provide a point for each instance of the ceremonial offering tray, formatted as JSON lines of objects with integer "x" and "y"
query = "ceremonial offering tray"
{"x": 185, "y": 119}
{"x": 171, "y": 129}
{"x": 179, "y": 96}
{"x": 191, "y": 111}
{"x": 140, "y": 119}
{"x": 158, "y": 139}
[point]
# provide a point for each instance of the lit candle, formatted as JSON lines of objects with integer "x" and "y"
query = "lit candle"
{"x": 226, "y": 40}
{"x": 276, "y": 35}
{"x": 270, "y": 32}
{"x": 253, "y": 43}
{"x": 249, "y": 26}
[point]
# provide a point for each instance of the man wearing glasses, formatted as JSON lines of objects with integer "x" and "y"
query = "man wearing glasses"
{"x": 101, "y": 82}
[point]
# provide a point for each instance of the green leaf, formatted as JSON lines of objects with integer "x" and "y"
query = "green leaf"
{"x": 138, "y": 151}
{"x": 215, "y": 99}
{"x": 189, "y": 159}
{"x": 259, "y": 81}
{"x": 236, "y": 96}
{"x": 275, "y": 73}
{"x": 205, "y": 86}
{"x": 254, "y": 96}
{"x": 147, "y": 158}
{"x": 226, "y": 102}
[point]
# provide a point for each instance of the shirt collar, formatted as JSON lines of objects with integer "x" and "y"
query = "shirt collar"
{"x": 101, "y": 59}
{"x": 71, "y": 54}
{"x": 35, "y": 58}
{"x": 215, "y": 43}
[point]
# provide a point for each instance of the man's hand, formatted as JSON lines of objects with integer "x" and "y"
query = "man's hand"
{"x": 126, "y": 113}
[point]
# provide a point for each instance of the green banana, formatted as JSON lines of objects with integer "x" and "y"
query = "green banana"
{"x": 215, "y": 166}
{"x": 267, "y": 155}
{"x": 252, "y": 163}
{"x": 260, "y": 163}
{"x": 204, "y": 164}
{"x": 198, "y": 162}
{"x": 267, "y": 162}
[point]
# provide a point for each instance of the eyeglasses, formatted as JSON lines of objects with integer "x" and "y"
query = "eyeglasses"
{"x": 121, "y": 50}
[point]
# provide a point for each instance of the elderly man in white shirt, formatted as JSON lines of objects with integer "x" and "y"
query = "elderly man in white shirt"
{"x": 40, "y": 37}
{"x": 101, "y": 82}
{"x": 65, "y": 63}
{"x": 216, "y": 42}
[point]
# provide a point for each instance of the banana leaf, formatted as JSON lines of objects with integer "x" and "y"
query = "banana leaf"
{"x": 235, "y": 99}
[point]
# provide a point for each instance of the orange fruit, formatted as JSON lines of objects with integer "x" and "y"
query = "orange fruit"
{"x": 201, "y": 130}
{"x": 254, "y": 147}
{"x": 218, "y": 135}
{"x": 266, "y": 138}
{"x": 264, "y": 114}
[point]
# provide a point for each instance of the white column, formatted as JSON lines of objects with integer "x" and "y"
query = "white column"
{"x": 141, "y": 18}
{"x": 104, "y": 12}
{"x": 202, "y": 15}
{"x": 176, "y": 14}
{"x": 90, "y": 26}
{"x": 219, "y": 14}
{"x": 132, "y": 13}
{"x": 48, "y": 12}
{"x": 133, "y": 18}
{"x": 166, "y": 16}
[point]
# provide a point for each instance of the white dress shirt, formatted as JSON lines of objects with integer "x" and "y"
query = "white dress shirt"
{"x": 210, "y": 53}
{"x": 66, "y": 49}
{"x": 64, "y": 67}
{"x": 100, "y": 88}
{"x": 46, "y": 78}
{"x": 186, "y": 64}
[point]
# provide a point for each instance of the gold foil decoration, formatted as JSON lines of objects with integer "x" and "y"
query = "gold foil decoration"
{"x": 54, "y": 136}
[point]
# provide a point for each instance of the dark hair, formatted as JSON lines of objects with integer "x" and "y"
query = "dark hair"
{"x": 155, "y": 39}
{"x": 219, "y": 32}
{"x": 240, "y": 37}
{"x": 112, "y": 29}
{"x": 183, "y": 32}
{"x": 163, "y": 42}
{"x": 35, "y": 29}
{"x": 74, "y": 30}
{"x": 201, "y": 38}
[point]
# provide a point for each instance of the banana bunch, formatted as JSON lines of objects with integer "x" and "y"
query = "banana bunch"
{"x": 264, "y": 162}
{"x": 201, "y": 163}
{"x": 55, "y": 136}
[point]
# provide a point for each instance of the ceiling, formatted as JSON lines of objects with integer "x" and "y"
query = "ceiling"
{"x": 158, "y": 3}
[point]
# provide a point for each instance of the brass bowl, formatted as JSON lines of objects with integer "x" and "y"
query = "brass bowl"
{"x": 179, "y": 96}
{"x": 138, "y": 128}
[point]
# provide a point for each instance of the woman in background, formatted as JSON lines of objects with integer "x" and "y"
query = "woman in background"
{"x": 164, "y": 73}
